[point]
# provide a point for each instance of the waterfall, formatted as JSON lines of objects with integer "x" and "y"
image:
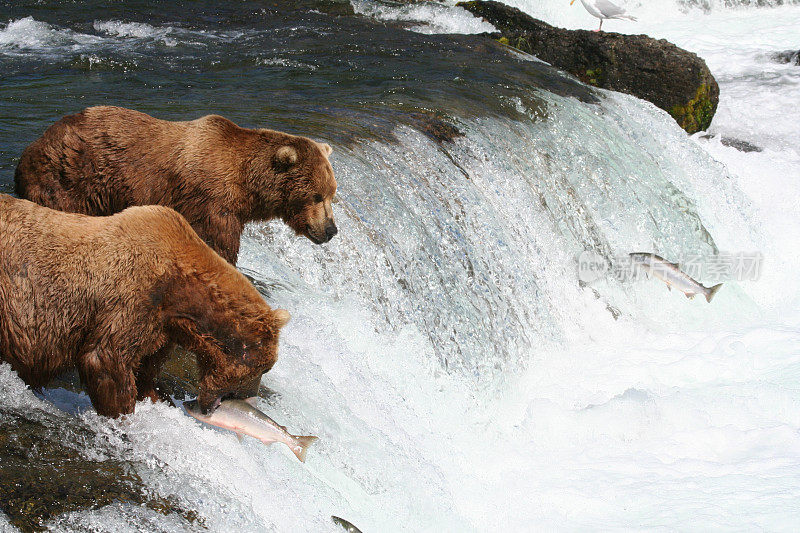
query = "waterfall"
{"x": 459, "y": 371}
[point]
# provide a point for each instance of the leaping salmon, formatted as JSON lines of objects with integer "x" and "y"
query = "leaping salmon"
{"x": 350, "y": 528}
{"x": 242, "y": 417}
{"x": 672, "y": 275}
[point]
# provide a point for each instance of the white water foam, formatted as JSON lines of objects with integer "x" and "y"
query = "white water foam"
{"x": 284, "y": 62}
{"x": 758, "y": 104}
{"x": 431, "y": 17}
{"x": 119, "y": 518}
{"x": 138, "y": 30}
{"x": 26, "y": 34}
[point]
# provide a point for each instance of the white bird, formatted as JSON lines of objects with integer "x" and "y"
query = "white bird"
{"x": 603, "y": 9}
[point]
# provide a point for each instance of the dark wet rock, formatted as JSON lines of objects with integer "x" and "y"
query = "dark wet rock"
{"x": 673, "y": 79}
{"x": 435, "y": 126}
{"x": 789, "y": 56}
{"x": 742, "y": 146}
{"x": 179, "y": 375}
{"x": 44, "y": 473}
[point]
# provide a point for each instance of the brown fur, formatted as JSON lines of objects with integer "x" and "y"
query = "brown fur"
{"x": 110, "y": 296}
{"x": 217, "y": 175}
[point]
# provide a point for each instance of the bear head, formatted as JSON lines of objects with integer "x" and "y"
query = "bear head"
{"x": 237, "y": 353}
{"x": 293, "y": 180}
{"x": 225, "y": 322}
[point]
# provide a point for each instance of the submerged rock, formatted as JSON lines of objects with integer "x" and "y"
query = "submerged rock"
{"x": 789, "y": 56}
{"x": 742, "y": 146}
{"x": 44, "y": 474}
{"x": 435, "y": 127}
{"x": 673, "y": 79}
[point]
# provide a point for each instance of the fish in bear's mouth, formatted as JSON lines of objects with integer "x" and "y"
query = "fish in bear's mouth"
{"x": 214, "y": 406}
{"x": 218, "y": 401}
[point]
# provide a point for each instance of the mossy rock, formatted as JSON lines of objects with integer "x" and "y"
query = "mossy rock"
{"x": 655, "y": 70}
{"x": 697, "y": 113}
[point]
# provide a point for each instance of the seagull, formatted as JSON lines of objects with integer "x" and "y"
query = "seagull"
{"x": 603, "y": 9}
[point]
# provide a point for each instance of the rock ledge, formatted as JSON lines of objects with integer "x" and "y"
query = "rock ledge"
{"x": 673, "y": 79}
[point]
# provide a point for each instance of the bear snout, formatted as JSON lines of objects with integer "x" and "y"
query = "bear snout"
{"x": 321, "y": 234}
{"x": 330, "y": 230}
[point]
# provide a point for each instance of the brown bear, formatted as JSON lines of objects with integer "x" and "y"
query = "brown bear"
{"x": 216, "y": 174}
{"x": 110, "y": 296}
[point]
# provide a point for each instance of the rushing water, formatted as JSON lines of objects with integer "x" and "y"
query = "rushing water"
{"x": 458, "y": 373}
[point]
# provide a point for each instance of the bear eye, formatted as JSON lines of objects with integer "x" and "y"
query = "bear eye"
{"x": 317, "y": 198}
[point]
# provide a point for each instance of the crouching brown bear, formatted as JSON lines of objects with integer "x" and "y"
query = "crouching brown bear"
{"x": 110, "y": 296}
{"x": 217, "y": 175}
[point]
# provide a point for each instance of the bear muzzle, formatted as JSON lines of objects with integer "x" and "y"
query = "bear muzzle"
{"x": 324, "y": 234}
{"x": 330, "y": 230}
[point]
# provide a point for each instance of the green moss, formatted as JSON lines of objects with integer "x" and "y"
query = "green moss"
{"x": 594, "y": 77}
{"x": 519, "y": 42}
{"x": 524, "y": 45}
{"x": 697, "y": 113}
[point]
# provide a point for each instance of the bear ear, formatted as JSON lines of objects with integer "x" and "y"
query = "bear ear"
{"x": 326, "y": 149}
{"x": 282, "y": 317}
{"x": 286, "y": 156}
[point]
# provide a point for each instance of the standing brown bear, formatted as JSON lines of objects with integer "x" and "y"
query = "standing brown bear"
{"x": 111, "y": 295}
{"x": 216, "y": 174}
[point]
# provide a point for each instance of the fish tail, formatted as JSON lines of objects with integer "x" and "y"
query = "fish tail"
{"x": 303, "y": 444}
{"x": 712, "y": 291}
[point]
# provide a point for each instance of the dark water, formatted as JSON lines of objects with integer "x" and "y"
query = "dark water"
{"x": 306, "y": 67}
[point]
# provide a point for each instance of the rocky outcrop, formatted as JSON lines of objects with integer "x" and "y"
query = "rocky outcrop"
{"x": 673, "y": 79}
{"x": 44, "y": 473}
{"x": 789, "y": 56}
